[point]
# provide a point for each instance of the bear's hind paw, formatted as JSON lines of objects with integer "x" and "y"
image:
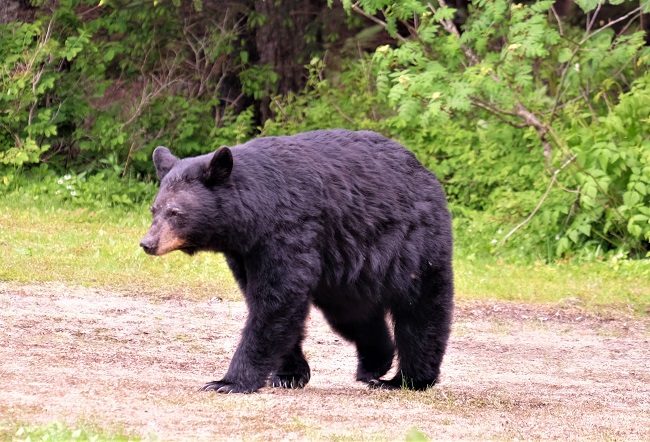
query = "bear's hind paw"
{"x": 379, "y": 384}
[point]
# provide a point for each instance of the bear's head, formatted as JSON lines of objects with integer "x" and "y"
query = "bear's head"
{"x": 184, "y": 210}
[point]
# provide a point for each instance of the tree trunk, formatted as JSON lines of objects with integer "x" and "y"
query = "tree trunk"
{"x": 15, "y": 10}
{"x": 281, "y": 43}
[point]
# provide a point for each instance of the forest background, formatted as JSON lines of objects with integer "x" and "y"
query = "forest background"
{"x": 535, "y": 116}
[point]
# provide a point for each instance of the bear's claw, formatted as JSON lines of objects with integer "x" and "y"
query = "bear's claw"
{"x": 226, "y": 387}
{"x": 288, "y": 381}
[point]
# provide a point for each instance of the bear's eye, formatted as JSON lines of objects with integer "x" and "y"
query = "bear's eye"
{"x": 152, "y": 209}
{"x": 173, "y": 212}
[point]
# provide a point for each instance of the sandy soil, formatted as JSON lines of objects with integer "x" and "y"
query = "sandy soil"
{"x": 133, "y": 363}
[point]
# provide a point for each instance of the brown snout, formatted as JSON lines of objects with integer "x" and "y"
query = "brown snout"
{"x": 161, "y": 240}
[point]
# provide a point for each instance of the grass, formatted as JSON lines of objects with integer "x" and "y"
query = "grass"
{"x": 624, "y": 284}
{"x": 57, "y": 431}
{"x": 80, "y": 247}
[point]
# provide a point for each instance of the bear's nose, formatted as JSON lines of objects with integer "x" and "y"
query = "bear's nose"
{"x": 148, "y": 246}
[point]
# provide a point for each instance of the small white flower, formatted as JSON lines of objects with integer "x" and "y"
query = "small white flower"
{"x": 67, "y": 177}
{"x": 577, "y": 67}
{"x": 69, "y": 187}
{"x": 499, "y": 232}
{"x": 403, "y": 79}
{"x": 60, "y": 181}
{"x": 557, "y": 237}
{"x": 73, "y": 193}
{"x": 494, "y": 241}
{"x": 58, "y": 192}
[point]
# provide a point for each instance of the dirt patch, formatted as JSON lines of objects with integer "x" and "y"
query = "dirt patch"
{"x": 135, "y": 363}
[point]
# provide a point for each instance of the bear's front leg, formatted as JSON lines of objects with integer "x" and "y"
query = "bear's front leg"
{"x": 278, "y": 295}
{"x": 272, "y": 330}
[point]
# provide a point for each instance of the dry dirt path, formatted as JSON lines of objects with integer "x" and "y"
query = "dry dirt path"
{"x": 135, "y": 363}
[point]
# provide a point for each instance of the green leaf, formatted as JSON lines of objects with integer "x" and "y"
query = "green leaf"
{"x": 585, "y": 229}
{"x": 444, "y": 13}
{"x": 641, "y": 188}
{"x": 645, "y": 6}
{"x": 587, "y": 5}
{"x": 631, "y": 198}
{"x": 73, "y": 46}
{"x": 565, "y": 55}
{"x": 562, "y": 246}
{"x": 109, "y": 55}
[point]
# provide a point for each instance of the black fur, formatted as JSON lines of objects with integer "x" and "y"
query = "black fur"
{"x": 348, "y": 221}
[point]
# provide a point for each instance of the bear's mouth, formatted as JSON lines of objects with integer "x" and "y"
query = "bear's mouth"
{"x": 190, "y": 250}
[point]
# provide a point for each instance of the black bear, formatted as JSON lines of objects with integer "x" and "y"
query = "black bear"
{"x": 348, "y": 221}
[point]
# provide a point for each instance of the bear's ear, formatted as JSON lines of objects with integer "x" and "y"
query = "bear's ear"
{"x": 163, "y": 160}
{"x": 219, "y": 167}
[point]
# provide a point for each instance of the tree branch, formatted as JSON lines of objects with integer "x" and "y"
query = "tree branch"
{"x": 579, "y": 44}
{"x": 358, "y": 10}
{"x": 450, "y": 27}
{"x": 610, "y": 24}
{"x": 590, "y": 22}
{"x": 559, "y": 21}
{"x": 548, "y": 189}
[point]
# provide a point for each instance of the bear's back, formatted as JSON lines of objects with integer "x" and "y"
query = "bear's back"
{"x": 339, "y": 165}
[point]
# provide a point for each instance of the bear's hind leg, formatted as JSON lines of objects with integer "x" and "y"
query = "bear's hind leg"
{"x": 294, "y": 371}
{"x": 422, "y": 330}
{"x": 375, "y": 348}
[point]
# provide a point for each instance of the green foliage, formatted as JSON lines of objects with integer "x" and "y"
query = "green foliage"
{"x": 526, "y": 121}
{"x": 613, "y": 183}
{"x": 538, "y": 132}
{"x": 26, "y": 77}
{"x": 99, "y": 191}
{"x": 78, "y": 88}
{"x": 349, "y": 101}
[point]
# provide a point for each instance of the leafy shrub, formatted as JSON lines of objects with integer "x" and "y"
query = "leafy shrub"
{"x": 538, "y": 124}
{"x": 97, "y": 191}
{"x": 91, "y": 95}
{"x": 612, "y": 184}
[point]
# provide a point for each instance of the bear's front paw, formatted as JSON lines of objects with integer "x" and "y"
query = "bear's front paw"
{"x": 227, "y": 387}
{"x": 288, "y": 381}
